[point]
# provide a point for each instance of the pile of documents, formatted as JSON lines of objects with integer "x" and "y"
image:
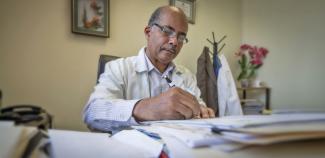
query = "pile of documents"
{"x": 252, "y": 106}
{"x": 242, "y": 130}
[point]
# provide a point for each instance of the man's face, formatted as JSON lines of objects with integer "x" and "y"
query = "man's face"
{"x": 162, "y": 48}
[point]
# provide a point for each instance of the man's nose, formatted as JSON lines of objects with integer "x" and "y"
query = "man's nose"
{"x": 173, "y": 40}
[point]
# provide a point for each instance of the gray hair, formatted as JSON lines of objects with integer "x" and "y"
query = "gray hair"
{"x": 155, "y": 16}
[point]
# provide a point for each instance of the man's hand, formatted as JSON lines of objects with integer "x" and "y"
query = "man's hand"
{"x": 206, "y": 112}
{"x": 173, "y": 104}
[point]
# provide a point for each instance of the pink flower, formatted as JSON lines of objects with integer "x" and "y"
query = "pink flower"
{"x": 257, "y": 61}
{"x": 263, "y": 51}
{"x": 251, "y": 54}
{"x": 251, "y": 59}
{"x": 258, "y": 55}
{"x": 245, "y": 47}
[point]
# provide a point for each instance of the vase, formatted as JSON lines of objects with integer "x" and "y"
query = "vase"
{"x": 255, "y": 83}
{"x": 244, "y": 83}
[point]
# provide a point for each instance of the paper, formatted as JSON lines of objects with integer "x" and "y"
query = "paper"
{"x": 288, "y": 128}
{"x": 177, "y": 149}
{"x": 85, "y": 144}
{"x": 140, "y": 141}
{"x": 253, "y": 129}
{"x": 192, "y": 137}
{"x": 246, "y": 121}
{"x": 270, "y": 139}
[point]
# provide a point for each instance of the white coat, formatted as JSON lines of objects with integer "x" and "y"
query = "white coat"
{"x": 228, "y": 99}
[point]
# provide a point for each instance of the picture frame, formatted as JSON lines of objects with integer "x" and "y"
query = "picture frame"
{"x": 90, "y": 17}
{"x": 188, "y": 7}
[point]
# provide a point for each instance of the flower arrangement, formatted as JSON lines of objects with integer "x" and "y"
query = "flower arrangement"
{"x": 250, "y": 59}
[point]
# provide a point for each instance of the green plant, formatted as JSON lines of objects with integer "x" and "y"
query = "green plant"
{"x": 250, "y": 59}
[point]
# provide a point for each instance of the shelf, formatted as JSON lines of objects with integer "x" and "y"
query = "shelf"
{"x": 265, "y": 90}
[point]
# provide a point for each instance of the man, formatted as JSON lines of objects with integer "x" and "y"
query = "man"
{"x": 140, "y": 88}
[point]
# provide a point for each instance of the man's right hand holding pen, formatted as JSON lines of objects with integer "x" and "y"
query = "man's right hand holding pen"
{"x": 174, "y": 104}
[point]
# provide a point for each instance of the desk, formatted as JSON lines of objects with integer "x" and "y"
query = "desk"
{"x": 267, "y": 91}
{"x": 66, "y": 144}
{"x": 85, "y": 144}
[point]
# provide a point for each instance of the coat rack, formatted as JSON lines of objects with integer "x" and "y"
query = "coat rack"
{"x": 215, "y": 44}
{"x": 216, "y": 61}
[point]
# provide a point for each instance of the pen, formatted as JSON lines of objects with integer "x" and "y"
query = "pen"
{"x": 150, "y": 134}
{"x": 218, "y": 130}
{"x": 170, "y": 83}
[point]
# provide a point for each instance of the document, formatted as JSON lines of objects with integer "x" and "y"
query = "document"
{"x": 75, "y": 144}
{"x": 249, "y": 130}
{"x": 251, "y": 139}
{"x": 140, "y": 141}
{"x": 231, "y": 122}
{"x": 193, "y": 137}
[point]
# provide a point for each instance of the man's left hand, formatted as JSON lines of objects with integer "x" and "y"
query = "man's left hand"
{"x": 206, "y": 112}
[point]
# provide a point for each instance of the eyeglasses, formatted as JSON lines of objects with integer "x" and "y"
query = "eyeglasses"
{"x": 167, "y": 30}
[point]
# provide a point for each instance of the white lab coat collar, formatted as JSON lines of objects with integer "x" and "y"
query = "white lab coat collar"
{"x": 140, "y": 63}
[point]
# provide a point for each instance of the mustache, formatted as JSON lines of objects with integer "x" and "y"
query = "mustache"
{"x": 169, "y": 48}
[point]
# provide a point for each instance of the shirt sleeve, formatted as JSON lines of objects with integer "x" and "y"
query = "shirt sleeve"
{"x": 109, "y": 115}
{"x": 107, "y": 108}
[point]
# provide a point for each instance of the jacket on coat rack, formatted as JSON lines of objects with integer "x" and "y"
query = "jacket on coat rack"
{"x": 207, "y": 81}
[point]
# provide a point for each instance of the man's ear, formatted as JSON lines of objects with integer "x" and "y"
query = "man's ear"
{"x": 147, "y": 30}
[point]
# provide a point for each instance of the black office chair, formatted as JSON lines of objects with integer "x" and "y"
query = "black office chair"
{"x": 103, "y": 59}
{"x": 0, "y": 98}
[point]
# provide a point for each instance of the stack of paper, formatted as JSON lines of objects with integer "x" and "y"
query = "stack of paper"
{"x": 231, "y": 122}
{"x": 277, "y": 133}
{"x": 252, "y": 106}
{"x": 75, "y": 144}
{"x": 192, "y": 136}
{"x": 249, "y": 130}
{"x": 140, "y": 141}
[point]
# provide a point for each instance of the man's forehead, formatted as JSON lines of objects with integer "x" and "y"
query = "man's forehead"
{"x": 175, "y": 21}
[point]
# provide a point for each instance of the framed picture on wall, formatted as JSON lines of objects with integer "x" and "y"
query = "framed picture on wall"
{"x": 188, "y": 6}
{"x": 90, "y": 17}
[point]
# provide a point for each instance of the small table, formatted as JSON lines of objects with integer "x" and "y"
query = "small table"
{"x": 267, "y": 91}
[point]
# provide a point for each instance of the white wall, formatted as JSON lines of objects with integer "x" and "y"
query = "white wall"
{"x": 293, "y": 31}
{"x": 43, "y": 63}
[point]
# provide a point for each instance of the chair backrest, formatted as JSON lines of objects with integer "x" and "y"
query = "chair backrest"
{"x": 0, "y": 98}
{"x": 103, "y": 59}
